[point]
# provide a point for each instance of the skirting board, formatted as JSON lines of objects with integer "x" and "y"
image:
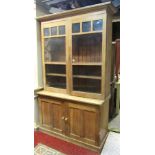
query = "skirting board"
{"x": 36, "y": 127}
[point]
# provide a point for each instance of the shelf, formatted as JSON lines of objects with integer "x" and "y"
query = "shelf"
{"x": 54, "y": 36}
{"x": 88, "y": 63}
{"x": 72, "y": 98}
{"x": 56, "y": 63}
{"x": 87, "y": 77}
{"x": 56, "y": 74}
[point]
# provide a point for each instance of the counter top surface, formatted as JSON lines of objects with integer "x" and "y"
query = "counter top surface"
{"x": 72, "y": 98}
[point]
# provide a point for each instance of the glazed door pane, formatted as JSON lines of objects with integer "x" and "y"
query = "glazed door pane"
{"x": 75, "y": 27}
{"x": 87, "y": 48}
{"x": 55, "y": 49}
{"x": 86, "y": 61}
{"x": 97, "y": 25}
{"x": 86, "y": 26}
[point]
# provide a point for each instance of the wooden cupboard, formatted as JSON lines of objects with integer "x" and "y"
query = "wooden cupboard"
{"x": 76, "y": 54}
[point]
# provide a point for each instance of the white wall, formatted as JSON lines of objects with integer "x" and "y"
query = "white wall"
{"x": 39, "y": 11}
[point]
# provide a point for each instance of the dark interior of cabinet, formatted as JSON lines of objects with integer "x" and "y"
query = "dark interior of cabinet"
{"x": 87, "y": 70}
{"x": 87, "y": 47}
{"x": 56, "y": 81}
{"x": 55, "y": 49}
{"x": 87, "y": 85}
{"x": 59, "y": 69}
{"x": 115, "y": 31}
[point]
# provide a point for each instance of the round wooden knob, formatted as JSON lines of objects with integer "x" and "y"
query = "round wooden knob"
{"x": 66, "y": 119}
{"x": 62, "y": 117}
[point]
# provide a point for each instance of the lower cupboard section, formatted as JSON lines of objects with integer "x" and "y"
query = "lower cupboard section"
{"x": 79, "y": 122}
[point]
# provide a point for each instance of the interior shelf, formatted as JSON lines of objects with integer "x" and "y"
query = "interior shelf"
{"x": 87, "y": 77}
{"x": 55, "y": 63}
{"x": 45, "y": 37}
{"x": 88, "y": 63}
{"x": 54, "y": 74}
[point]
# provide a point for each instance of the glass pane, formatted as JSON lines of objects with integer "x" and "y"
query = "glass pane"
{"x": 55, "y": 49}
{"x": 86, "y": 26}
{"x": 46, "y": 32}
{"x": 58, "y": 69}
{"x": 87, "y": 48}
{"x": 94, "y": 71}
{"x": 61, "y": 30}
{"x": 87, "y": 85}
{"x": 97, "y": 25}
{"x": 53, "y": 30}
{"x": 76, "y": 27}
{"x": 56, "y": 81}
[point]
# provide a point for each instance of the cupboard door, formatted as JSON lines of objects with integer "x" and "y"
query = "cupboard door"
{"x": 46, "y": 117}
{"x": 52, "y": 113}
{"x": 57, "y": 115}
{"x": 83, "y": 123}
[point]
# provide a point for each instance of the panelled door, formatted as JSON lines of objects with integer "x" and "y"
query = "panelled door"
{"x": 83, "y": 123}
{"x": 51, "y": 115}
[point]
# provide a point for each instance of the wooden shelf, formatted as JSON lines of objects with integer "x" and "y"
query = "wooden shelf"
{"x": 54, "y": 36}
{"x": 88, "y": 63}
{"x": 87, "y": 77}
{"x": 56, "y": 74}
{"x": 72, "y": 98}
{"x": 55, "y": 63}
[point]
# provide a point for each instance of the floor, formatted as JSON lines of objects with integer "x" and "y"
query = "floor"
{"x": 114, "y": 124}
{"x": 45, "y": 145}
{"x": 112, "y": 146}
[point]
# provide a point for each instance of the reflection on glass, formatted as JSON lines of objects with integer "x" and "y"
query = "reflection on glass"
{"x": 61, "y": 30}
{"x": 76, "y": 27}
{"x": 55, "y": 49}
{"x": 97, "y": 25}
{"x": 86, "y": 26}
{"x": 46, "y": 32}
{"x": 53, "y": 30}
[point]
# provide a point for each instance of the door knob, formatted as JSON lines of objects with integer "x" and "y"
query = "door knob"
{"x": 62, "y": 117}
{"x": 66, "y": 119}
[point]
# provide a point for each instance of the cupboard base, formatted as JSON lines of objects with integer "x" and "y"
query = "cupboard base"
{"x": 74, "y": 141}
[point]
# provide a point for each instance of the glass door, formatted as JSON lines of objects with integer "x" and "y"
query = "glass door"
{"x": 87, "y": 55}
{"x": 54, "y": 53}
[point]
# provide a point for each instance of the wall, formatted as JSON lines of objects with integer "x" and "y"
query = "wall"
{"x": 39, "y": 11}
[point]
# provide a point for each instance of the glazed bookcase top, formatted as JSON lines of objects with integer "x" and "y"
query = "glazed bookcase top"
{"x": 76, "y": 51}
